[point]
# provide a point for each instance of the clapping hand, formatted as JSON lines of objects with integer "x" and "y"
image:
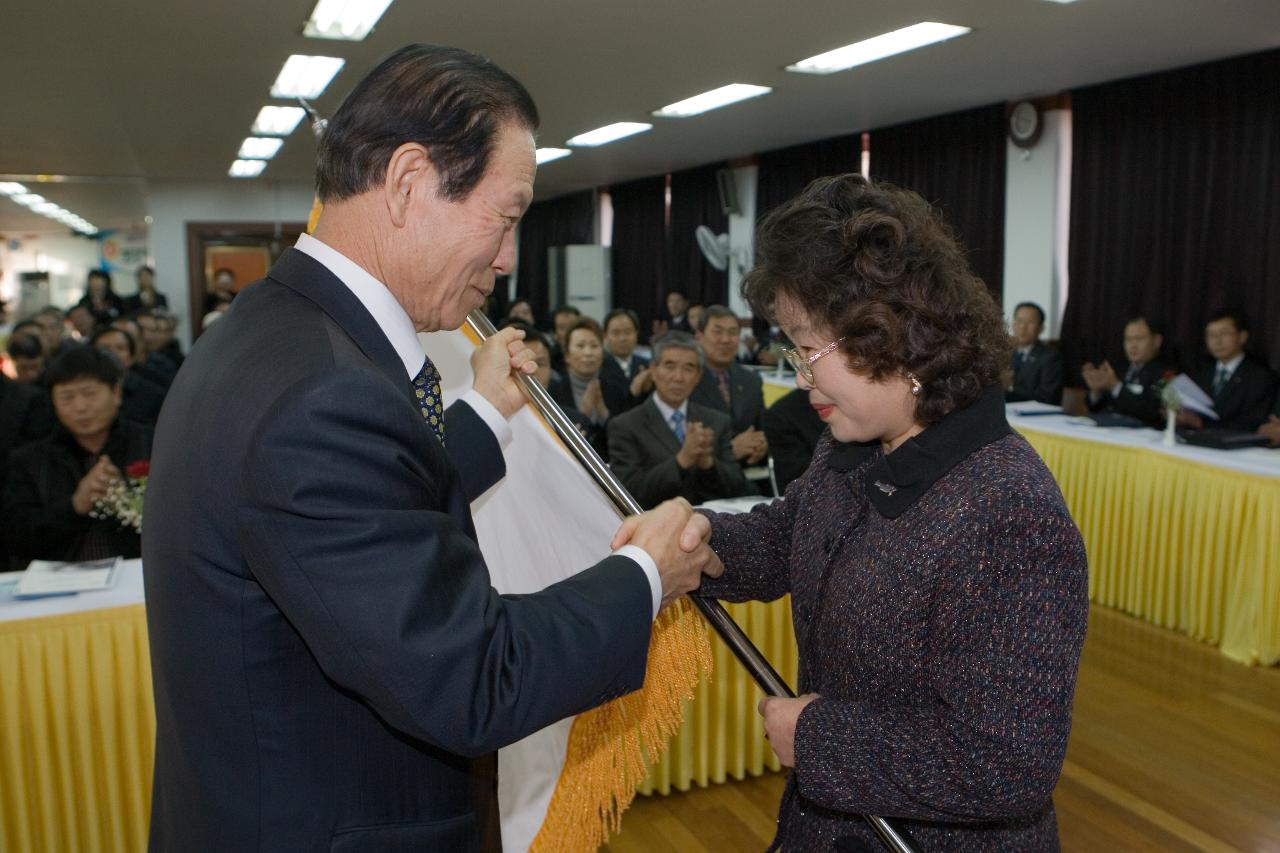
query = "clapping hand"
{"x": 750, "y": 445}
{"x": 93, "y": 486}
{"x": 1101, "y": 379}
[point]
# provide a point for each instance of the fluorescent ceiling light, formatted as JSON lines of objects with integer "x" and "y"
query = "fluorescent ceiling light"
{"x": 712, "y": 100}
{"x": 45, "y": 208}
{"x": 305, "y": 76}
{"x": 259, "y": 147}
{"x": 247, "y": 168}
{"x": 609, "y": 133}
{"x": 345, "y": 20}
{"x": 879, "y": 47}
{"x": 1061, "y": 1}
{"x": 27, "y": 199}
{"x": 277, "y": 121}
{"x": 546, "y": 155}
{"x": 10, "y": 188}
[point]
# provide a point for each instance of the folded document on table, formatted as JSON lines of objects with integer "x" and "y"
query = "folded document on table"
{"x": 48, "y": 577}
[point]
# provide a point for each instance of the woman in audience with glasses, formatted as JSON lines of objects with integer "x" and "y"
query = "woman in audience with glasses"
{"x": 938, "y": 583}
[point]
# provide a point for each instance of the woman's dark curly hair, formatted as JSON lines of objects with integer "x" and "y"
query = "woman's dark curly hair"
{"x": 876, "y": 265}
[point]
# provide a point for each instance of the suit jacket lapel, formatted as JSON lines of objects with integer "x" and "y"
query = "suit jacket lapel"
{"x": 659, "y": 427}
{"x": 308, "y": 277}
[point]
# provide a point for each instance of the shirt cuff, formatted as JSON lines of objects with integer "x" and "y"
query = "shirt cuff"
{"x": 1115, "y": 392}
{"x": 641, "y": 556}
{"x": 490, "y": 415}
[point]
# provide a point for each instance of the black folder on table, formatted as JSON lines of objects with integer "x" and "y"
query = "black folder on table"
{"x": 1223, "y": 439}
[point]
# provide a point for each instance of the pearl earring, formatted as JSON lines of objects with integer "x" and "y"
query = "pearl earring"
{"x": 916, "y": 387}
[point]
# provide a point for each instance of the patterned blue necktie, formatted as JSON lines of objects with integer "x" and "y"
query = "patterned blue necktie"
{"x": 426, "y": 389}
{"x": 677, "y": 425}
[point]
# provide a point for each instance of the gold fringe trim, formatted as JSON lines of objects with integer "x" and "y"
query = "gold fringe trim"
{"x": 612, "y": 747}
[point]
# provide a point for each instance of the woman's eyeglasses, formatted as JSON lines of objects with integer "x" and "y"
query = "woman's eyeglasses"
{"x": 804, "y": 366}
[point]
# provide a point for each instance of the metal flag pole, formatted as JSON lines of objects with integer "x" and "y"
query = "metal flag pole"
{"x": 712, "y": 611}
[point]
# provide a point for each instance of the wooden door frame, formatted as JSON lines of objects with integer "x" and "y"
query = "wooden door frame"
{"x": 200, "y": 234}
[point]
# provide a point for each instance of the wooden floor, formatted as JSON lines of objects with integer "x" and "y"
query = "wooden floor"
{"x": 1173, "y": 747}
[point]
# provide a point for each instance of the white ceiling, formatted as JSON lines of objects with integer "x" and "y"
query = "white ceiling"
{"x": 166, "y": 90}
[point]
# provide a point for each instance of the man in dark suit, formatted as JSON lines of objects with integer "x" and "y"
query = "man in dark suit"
{"x": 1243, "y": 390}
{"x": 142, "y": 398}
{"x": 25, "y": 417}
{"x": 1137, "y": 393}
{"x": 625, "y": 379}
{"x": 1036, "y": 370}
{"x": 1271, "y": 429}
{"x": 728, "y": 387}
{"x": 53, "y": 484}
{"x": 333, "y": 670}
{"x": 669, "y": 446}
{"x": 793, "y": 427}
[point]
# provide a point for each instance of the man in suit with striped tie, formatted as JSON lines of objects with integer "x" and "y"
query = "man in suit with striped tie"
{"x": 333, "y": 670}
{"x": 1243, "y": 390}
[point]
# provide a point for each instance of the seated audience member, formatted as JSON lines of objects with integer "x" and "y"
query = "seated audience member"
{"x": 728, "y": 387}
{"x": 1137, "y": 392}
{"x": 562, "y": 319}
{"x": 1035, "y": 372}
{"x": 141, "y": 398}
{"x": 53, "y": 323}
{"x": 25, "y": 416}
{"x": 159, "y": 373}
{"x": 159, "y": 328}
{"x": 669, "y": 446}
{"x": 677, "y": 319}
{"x": 82, "y": 321}
{"x": 100, "y": 300}
{"x": 1243, "y": 390}
{"x": 53, "y": 484}
{"x": 1271, "y": 429}
{"x": 221, "y": 291}
{"x": 694, "y": 314}
{"x": 625, "y": 378}
{"x": 147, "y": 298}
{"x": 793, "y": 428}
{"x": 26, "y": 351}
{"x": 763, "y": 335}
{"x": 522, "y": 310}
{"x": 557, "y": 386}
{"x": 583, "y": 355}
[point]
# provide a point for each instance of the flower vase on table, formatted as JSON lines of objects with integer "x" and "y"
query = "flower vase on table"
{"x": 1172, "y": 401}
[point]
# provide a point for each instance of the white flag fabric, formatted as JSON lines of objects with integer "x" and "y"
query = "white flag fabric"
{"x": 543, "y": 522}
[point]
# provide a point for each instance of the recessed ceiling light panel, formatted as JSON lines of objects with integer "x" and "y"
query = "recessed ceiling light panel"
{"x": 277, "y": 121}
{"x": 713, "y": 100}
{"x": 609, "y": 133}
{"x": 247, "y": 168}
{"x": 306, "y": 76}
{"x": 878, "y": 47}
{"x": 344, "y": 20}
{"x": 259, "y": 147}
{"x": 546, "y": 155}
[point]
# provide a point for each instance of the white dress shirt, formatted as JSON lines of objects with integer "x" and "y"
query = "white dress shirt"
{"x": 396, "y": 325}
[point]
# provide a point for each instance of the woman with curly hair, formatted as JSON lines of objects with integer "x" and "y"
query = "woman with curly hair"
{"x": 938, "y": 583}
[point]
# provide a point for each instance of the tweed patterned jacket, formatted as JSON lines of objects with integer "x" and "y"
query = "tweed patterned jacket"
{"x": 939, "y": 598}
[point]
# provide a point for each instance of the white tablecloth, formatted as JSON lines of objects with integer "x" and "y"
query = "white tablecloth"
{"x": 126, "y": 590}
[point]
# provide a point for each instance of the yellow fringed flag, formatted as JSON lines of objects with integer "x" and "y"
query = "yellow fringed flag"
{"x": 564, "y": 789}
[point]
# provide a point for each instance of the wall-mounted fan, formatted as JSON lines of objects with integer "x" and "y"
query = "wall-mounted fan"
{"x": 715, "y": 248}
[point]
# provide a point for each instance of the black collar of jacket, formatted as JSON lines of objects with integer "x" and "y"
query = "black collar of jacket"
{"x": 894, "y": 482}
{"x": 305, "y": 275}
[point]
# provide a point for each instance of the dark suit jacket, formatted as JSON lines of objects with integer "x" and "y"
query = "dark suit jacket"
{"x": 642, "y": 452}
{"x": 793, "y": 429}
{"x": 332, "y": 669}
{"x": 43, "y": 476}
{"x": 1039, "y": 378}
{"x": 746, "y": 390}
{"x": 1247, "y": 398}
{"x": 133, "y": 303}
{"x": 25, "y": 416}
{"x": 1138, "y": 399}
{"x": 615, "y": 386}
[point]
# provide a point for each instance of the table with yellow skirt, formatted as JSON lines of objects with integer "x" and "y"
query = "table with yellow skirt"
{"x": 1185, "y": 542}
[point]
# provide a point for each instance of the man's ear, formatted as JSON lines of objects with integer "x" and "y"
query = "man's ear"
{"x": 1244, "y": 339}
{"x": 410, "y": 178}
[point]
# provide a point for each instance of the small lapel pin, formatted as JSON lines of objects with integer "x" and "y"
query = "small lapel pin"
{"x": 886, "y": 488}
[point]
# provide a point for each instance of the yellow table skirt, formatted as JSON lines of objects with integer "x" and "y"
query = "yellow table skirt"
{"x": 1182, "y": 544}
{"x": 77, "y": 732}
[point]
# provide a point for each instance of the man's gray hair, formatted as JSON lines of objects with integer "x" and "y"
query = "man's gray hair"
{"x": 677, "y": 340}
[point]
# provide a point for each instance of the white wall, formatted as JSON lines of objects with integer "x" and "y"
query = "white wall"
{"x": 173, "y": 204}
{"x": 65, "y": 258}
{"x": 1036, "y": 208}
{"x": 742, "y": 236}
